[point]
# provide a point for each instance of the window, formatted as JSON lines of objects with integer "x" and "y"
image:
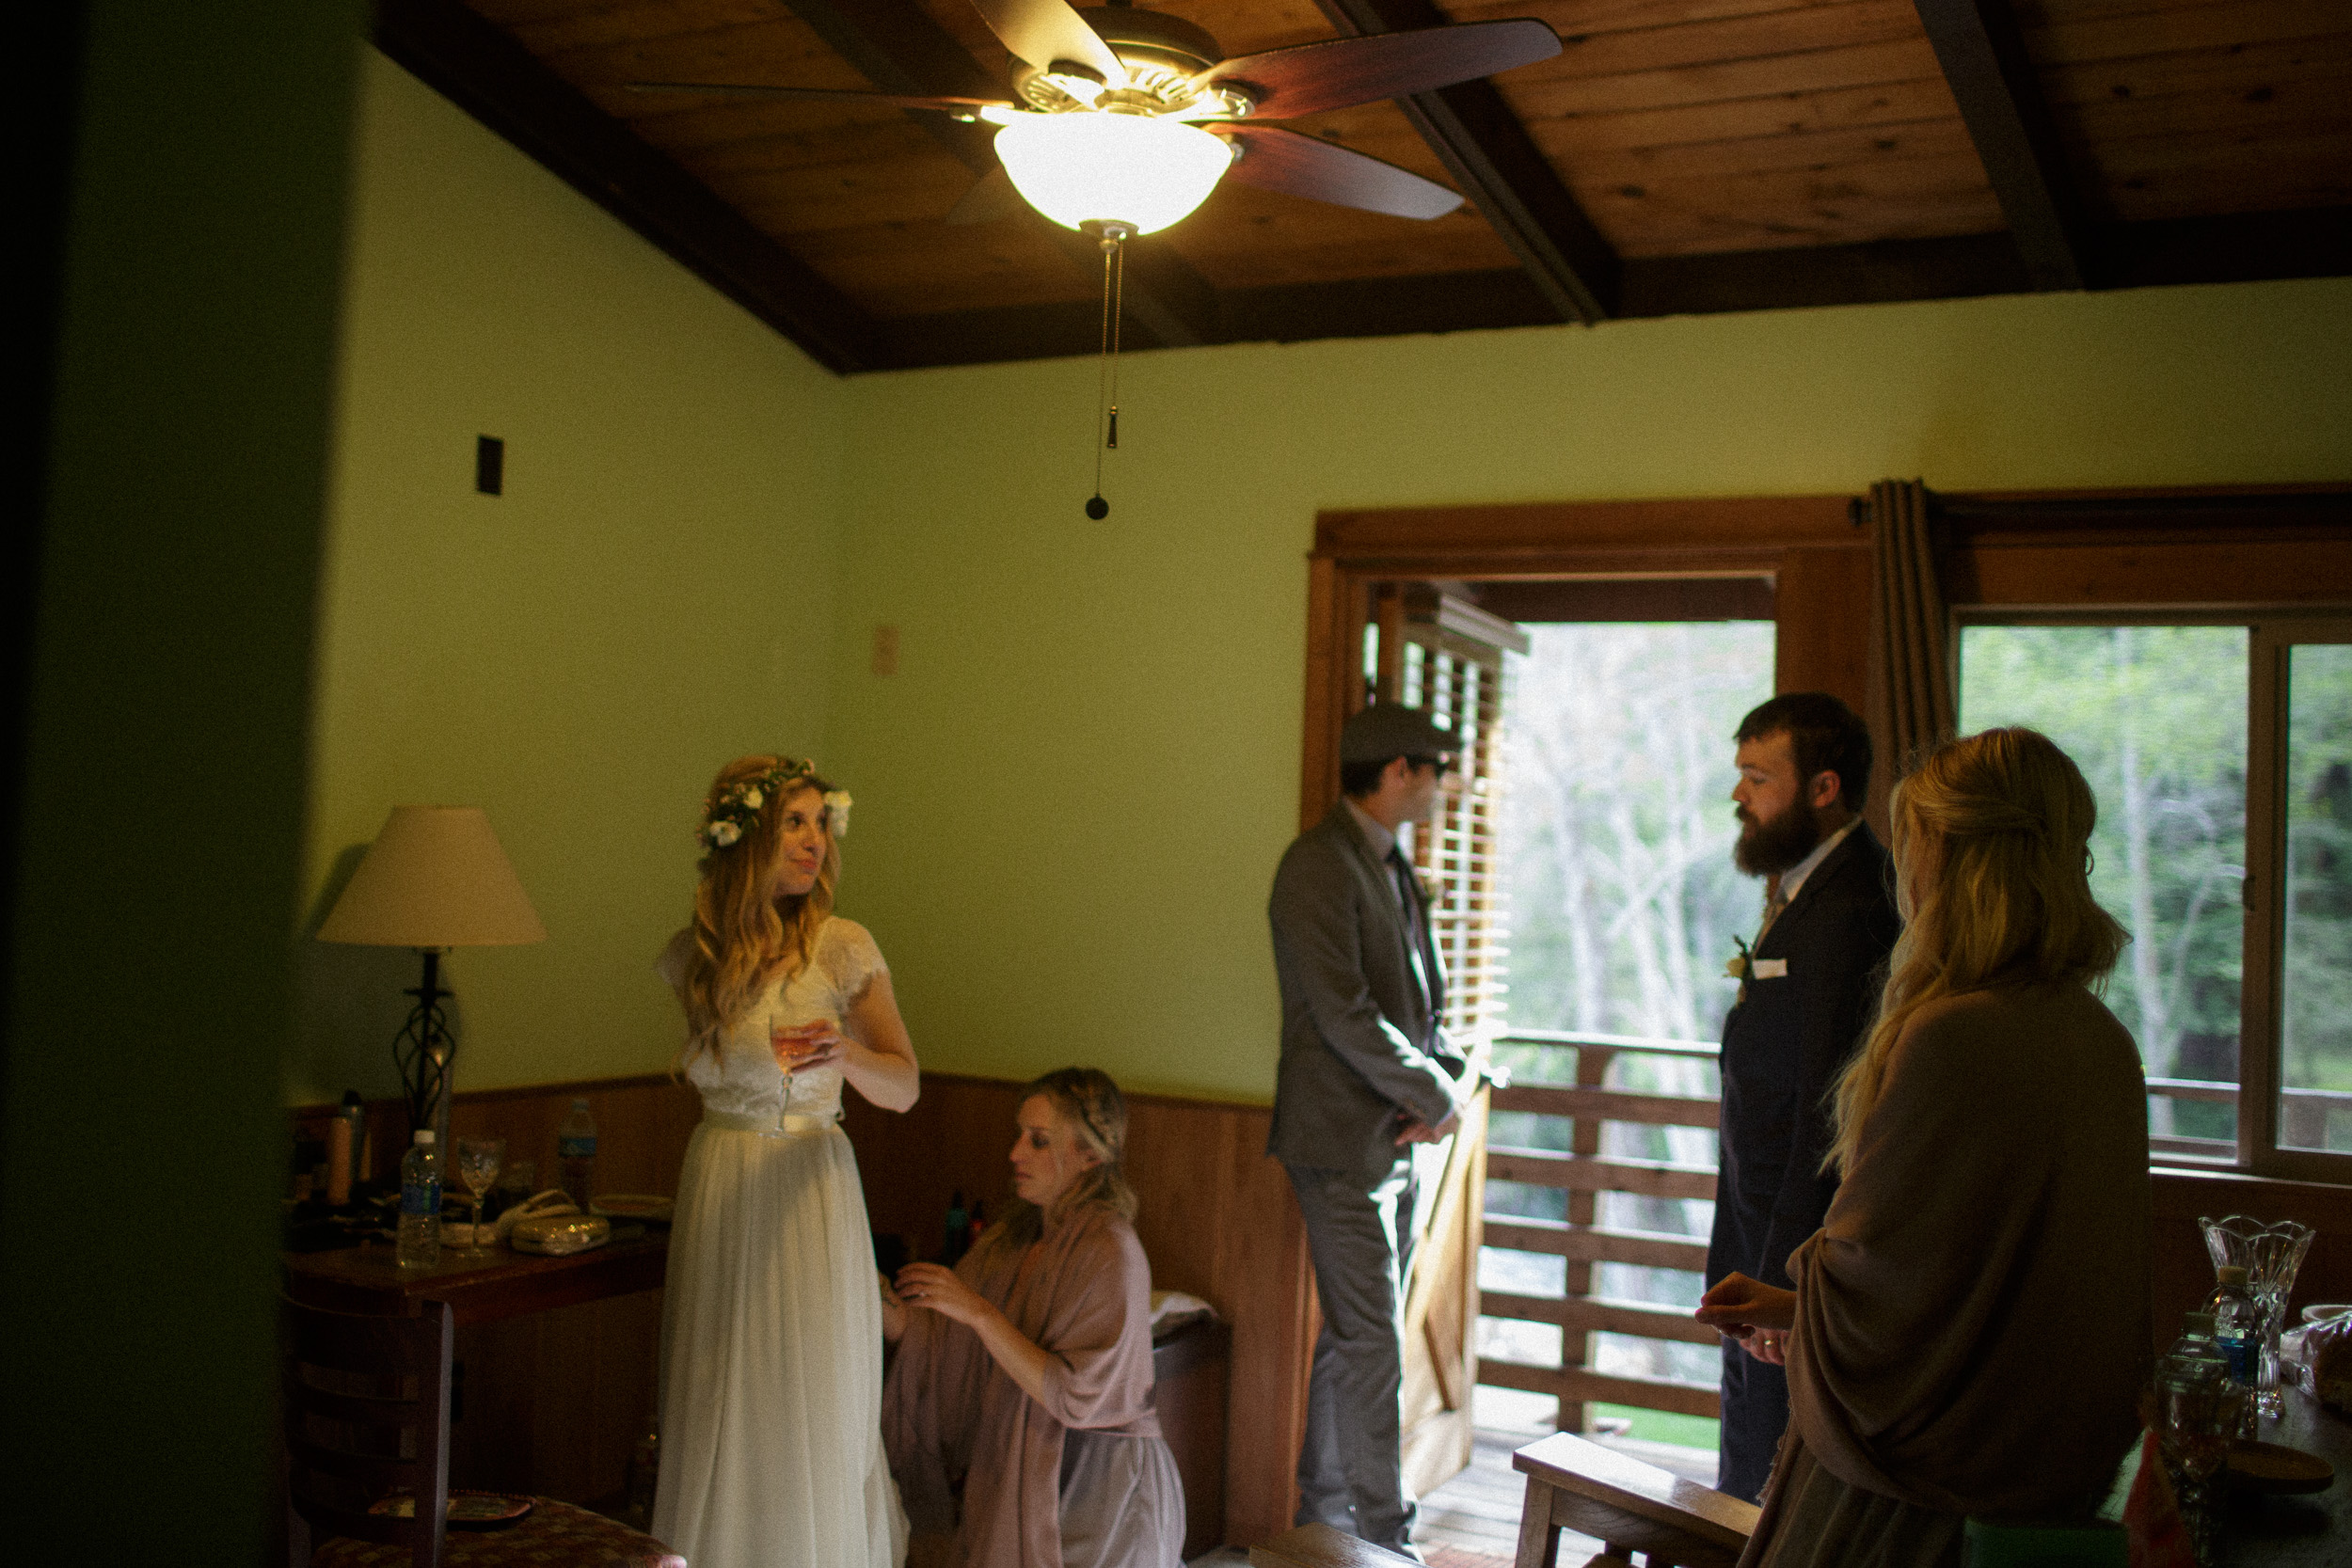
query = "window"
{"x": 2311, "y": 702}
{"x": 2221, "y": 758}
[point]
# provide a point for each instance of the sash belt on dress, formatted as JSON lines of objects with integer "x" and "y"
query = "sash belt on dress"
{"x": 793, "y": 1125}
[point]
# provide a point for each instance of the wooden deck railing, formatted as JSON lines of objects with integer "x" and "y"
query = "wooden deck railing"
{"x": 1584, "y": 1172}
{"x": 2303, "y": 1118}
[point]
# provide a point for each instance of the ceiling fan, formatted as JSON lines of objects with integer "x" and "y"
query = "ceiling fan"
{"x": 1122, "y": 120}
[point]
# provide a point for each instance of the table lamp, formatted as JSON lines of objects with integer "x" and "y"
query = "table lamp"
{"x": 435, "y": 879}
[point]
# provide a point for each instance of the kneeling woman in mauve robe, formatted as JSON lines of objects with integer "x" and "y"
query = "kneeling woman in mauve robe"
{"x": 1017, "y": 1412}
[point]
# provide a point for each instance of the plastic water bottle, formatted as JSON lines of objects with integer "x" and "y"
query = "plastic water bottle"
{"x": 2238, "y": 1329}
{"x": 575, "y": 1151}
{"x": 420, "y": 1243}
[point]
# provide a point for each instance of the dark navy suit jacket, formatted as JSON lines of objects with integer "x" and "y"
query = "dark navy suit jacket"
{"x": 1784, "y": 1045}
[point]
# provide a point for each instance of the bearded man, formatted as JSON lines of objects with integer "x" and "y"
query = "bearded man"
{"x": 1808, "y": 987}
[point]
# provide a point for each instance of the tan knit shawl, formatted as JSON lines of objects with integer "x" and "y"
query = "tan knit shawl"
{"x": 954, "y": 1421}
{"x": 1972, "y": 1317}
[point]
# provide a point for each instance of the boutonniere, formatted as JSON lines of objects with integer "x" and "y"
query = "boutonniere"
{"x": 1742, "y": 967}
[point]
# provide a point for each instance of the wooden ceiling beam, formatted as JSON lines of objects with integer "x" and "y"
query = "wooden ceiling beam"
{"x": 2237, "y": 248}
{"x": 496, "y": 80}
{"x": 1982, "y": 52}
{"x": 897, "y": 45}
{"x": 2233, "y": 247}
{"x": 900, "y": 50}
{"x": 1498, "y": 167}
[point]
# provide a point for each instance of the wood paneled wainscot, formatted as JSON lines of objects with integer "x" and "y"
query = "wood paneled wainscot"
{"x": 2183, "y": 1269}
{"x": 554, "y": 1400}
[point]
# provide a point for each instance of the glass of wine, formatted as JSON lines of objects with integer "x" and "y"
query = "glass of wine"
{"x": 790, "y": 1044}
{"x": 2200, "y": 1414}
{"x": 477, "y": 1162}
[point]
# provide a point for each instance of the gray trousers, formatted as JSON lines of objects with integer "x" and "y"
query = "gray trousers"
{"x": 1350, "y": 1474}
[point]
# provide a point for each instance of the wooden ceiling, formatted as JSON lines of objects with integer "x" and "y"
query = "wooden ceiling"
{"x": 1677, "y": 155}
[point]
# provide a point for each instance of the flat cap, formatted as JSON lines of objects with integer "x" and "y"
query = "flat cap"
{"x": 1388, "y": 730}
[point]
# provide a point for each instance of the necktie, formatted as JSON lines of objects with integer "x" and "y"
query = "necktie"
{"x": 1774, "y": 904}
{"x": 1408, "y": 895}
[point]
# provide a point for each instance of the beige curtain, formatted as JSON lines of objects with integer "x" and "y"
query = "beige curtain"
{"x": 1911, "y": 635}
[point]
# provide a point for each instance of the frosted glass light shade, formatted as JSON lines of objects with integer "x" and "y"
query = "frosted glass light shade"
{"x": 434, "y": 877}
{"x": 1111, "y": 168}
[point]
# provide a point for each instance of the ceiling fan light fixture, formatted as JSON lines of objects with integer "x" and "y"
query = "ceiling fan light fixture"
{"x": 1135, "y": 170}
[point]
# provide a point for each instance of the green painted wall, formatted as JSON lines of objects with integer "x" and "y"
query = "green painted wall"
{"x": 144, "y": 1151}
{"x": 1073, "y": 792}
{"x": 652, "y": 594}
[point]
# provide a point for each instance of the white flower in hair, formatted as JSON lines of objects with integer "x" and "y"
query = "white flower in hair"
{"x": 752, "y": 798}
{"x": 723, "y": 832}
{"x": 837, "y": 805}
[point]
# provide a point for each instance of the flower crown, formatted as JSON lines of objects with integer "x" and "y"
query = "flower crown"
{"x": 735, "y": 810}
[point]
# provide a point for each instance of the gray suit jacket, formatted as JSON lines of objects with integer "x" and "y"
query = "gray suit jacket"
{"x": 1358, "y": 1046}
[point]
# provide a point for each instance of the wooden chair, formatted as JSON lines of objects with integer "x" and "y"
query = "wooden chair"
{"x": 366, "y": 1414}
{"x": 1629, "y": 1506}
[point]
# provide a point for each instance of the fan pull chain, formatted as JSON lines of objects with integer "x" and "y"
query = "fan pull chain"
{"x": 1106, "y": 366}
{"x": 1118, "y": 312}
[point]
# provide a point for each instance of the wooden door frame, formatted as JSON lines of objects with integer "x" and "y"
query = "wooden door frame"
{"x": 2175, "y": 549}
{"x": 2183, "y": 548}
{"x": 1813, "y": 548}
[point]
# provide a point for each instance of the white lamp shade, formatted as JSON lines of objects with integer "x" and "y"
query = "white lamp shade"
{"x": 435, "y": 877}
{"x": 1086, "y": 166}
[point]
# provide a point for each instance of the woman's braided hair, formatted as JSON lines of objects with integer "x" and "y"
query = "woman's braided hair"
{"x": 1993, "y": 859}
{"x": 1090, "y": 1101}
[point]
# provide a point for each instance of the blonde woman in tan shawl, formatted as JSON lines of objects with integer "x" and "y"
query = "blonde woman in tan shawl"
{"x": 1969, "y": 1328}
{"x": 1017, "y": 1410}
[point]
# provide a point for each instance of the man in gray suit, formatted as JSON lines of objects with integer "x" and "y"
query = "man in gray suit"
{"x": 1366, "y": 1073}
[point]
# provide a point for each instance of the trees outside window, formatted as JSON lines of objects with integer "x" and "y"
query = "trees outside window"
{"x": 2221, "y": 756}
{"x": 2155, "y": 717}
{"x": 1616, "y": 844}
{"x": 1619, "y": 838}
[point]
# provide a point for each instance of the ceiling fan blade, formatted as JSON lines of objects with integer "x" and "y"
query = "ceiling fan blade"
{"x": 1278, "y": 160}
{"x": 1044, "y": 31}
{"x": 1337, "y": 74}
{"x": 964, "y": 106}
{"x": 991, "y": 198}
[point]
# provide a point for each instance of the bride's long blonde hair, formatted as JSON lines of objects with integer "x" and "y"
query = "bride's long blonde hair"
{"x": 742, "y": 937}
{"x": 1993, "y": 872}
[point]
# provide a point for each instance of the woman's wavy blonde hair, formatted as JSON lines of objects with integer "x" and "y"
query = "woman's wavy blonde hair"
{"x": 1993, "y": 872}
{"x": 743, "y": 938}
{"x": 1090, "y": 1103}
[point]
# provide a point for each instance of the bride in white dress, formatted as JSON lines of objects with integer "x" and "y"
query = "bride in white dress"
{"x": 771, "y": 1453}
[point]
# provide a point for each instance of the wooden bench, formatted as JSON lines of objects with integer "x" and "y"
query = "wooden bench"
{"x": 1629, "y": 1506}
{"x": 1321, "y": 1547}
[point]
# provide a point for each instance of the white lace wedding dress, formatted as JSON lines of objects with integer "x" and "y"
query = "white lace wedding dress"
{"x": 771, "y": 1453}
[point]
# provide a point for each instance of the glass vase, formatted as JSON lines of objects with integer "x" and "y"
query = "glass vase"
{"x": 2270, "y": 1254}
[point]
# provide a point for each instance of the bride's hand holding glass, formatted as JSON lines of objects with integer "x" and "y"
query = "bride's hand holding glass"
{"x": 799, "y": 1047}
